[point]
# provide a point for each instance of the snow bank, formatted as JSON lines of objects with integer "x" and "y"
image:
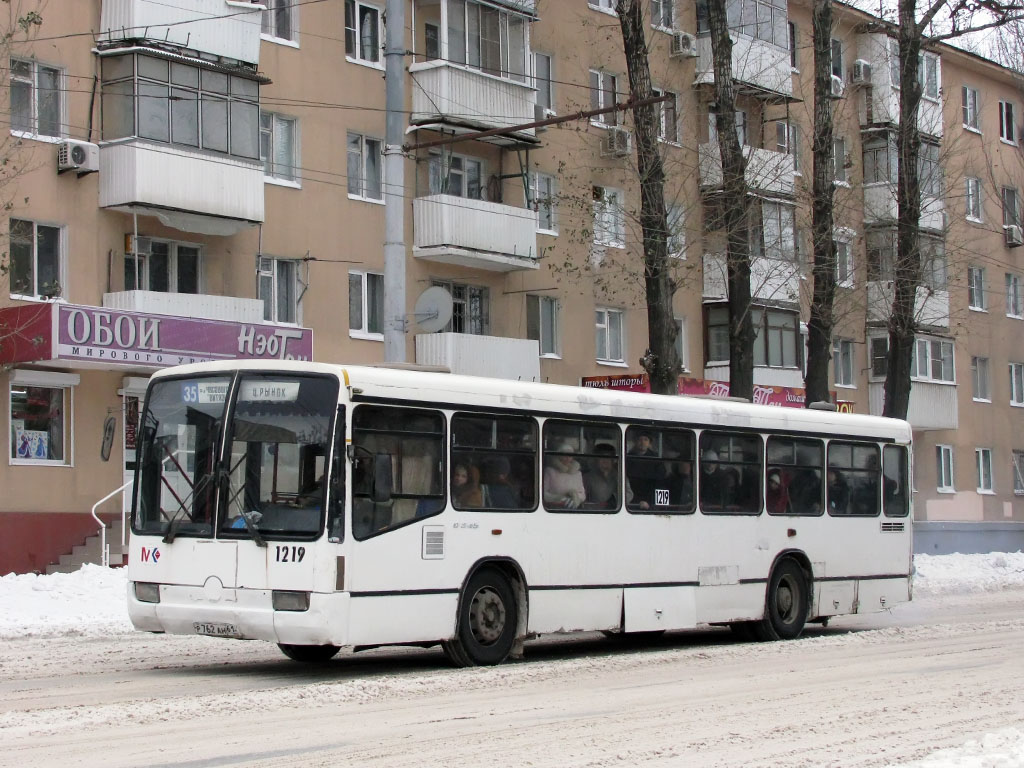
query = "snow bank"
{"x": 962, "y": 574}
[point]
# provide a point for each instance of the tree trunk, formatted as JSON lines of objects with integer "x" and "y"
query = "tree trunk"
{"x": 822, "y": 319}
{"x": 661, "y": 360}
{"x": 735, "y": 208}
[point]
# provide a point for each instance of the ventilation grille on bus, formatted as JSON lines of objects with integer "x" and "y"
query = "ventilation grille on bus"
{"x": 888, "y": 527}
{"x": 433, "y": 542}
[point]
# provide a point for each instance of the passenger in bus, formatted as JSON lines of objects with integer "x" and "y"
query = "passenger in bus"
{"x": 601, "y": 480}
{"x": 838, "y": 492}
{"x": 805, "y": 492}
{"x": 466, "y": 490}
{"x": 717, "y": 483}
{"x": 563, "y": 479}
{"x": 501, "y": 492}
{"x": 679, "y": 481}
{"x": 777, "y": 493}
{"x": 643, "y": 473}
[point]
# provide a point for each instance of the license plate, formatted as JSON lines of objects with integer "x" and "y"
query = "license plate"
{"x": 216, "y": 629}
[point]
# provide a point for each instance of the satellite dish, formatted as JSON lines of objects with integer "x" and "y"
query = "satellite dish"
{"x": 433, "y": 309}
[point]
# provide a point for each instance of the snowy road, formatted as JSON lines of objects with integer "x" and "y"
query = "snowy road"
{"x": 868, "y": 691}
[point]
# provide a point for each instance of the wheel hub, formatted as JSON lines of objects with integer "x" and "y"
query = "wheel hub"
{"x": 487, "y": 616}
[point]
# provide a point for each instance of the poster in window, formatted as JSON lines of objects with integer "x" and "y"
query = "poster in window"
{"x": 31, "y": 444}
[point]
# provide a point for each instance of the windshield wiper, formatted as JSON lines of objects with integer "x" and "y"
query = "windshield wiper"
{"x": 251, "y": 521}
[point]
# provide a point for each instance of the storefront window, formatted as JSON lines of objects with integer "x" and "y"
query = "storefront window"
{"x": 38, "y": 423}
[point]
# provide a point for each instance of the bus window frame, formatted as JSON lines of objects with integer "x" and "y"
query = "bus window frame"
{"x": 582, "y": 424}
{"x": 759, "y": 437}
{"x": 494, "y": 453}
{"x": 768, "y": 468}
{"x": 670, "y": 509}
{"x": 854, "y": 444}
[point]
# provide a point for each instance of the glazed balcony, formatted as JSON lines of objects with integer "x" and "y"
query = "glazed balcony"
{"x": 758, "y": 67}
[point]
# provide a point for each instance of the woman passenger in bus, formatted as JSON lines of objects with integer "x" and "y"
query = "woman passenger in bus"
{"x": 777, "y": 493}
{"x": 466, "y": 491}
{"x": 563, "y": 479}
{"x": 601, "y": 480}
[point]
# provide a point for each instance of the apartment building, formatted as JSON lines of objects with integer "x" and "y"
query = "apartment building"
{"x": 203, "y": 179}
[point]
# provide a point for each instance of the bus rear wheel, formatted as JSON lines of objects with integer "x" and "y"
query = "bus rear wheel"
{"x": 786, "y": 601}
{"x": 487, "y": 621}
{"x": 309, "y": 654}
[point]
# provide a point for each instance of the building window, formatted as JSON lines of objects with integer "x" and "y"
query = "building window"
{"x": 787, "y": 141}
{"x": 1016, "y": 383}
{"x": 543, "y": 75}
{"x": 928, "y": 74}
{"x": 1018, "y": 473}
{"x": 542, "y": 194}
{"x": 944, "y": 468}
{"x": 777, "y": 340}
{"x": 162, "y": 265}
{"x": 665, "y": 114}
{"x": 980, "y": 389}
{"x": 983, "y": 463}
{"x": 842, "y": 362}
{"x": 35, "y": 260}
{"x": 1007, "y": 130}
{"x": 181, "y": 104}
{"x": 470, "y": 308}
{"x": 609, "y": 217}
{"x": 488, "y": 39}
{"x": 278, "y": 146}
{"x": 894, "y": 62}
{"x": 837, "y": 59}
{"x": 775, "y": 238}
{"x": 881, "y": 254}
{"x": 40, "y": 417}
{"x": 362, "y": 33}
{"x": 603, "y": 95}
{"x": 662, "y": 14}
{"x": 761, "y": 19}
{"x": 608, "y": 325}
{"x": 932, "y": 361}
{"x": 717, "y": 346}
{"x": 604, "y": 5}
{"x": 929, "y": 170}
{"x": 36, "y": 101}
{"x": 794, "y": 59}
{"x": 542, "y": 323}
{"x": 839, "y": 160}
{"x": 278, "y": 289}
{"x": 880, "y": 159}
{"x": 456, "y": 175}
{"x": 969, "y": 97}
{"x": 676, "y": 238}
{"x": 844, "y": 264}
{"x": 366, "y": 304}
{"x": 364, "y": 167}
{"x": 279, "y": 19}
{"x": 973, "y": 198}
{"x": 976, "y": 298}
{"x": 1014, "y": 298}
{"x": 879, "y": 347}
{"x": 682, "y": 348}
{"x": 933, "y": 263}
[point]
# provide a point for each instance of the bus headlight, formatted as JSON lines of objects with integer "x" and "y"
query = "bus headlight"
{"x": 289, "y": 601}
{"x": 146, "y": 592}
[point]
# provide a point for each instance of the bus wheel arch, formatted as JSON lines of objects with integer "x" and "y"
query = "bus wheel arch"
{"x": 490, "y": 622}
{"x": 788, "y": 598}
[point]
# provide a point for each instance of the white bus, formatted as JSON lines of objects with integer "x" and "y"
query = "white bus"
{"x": 321, "y": 506}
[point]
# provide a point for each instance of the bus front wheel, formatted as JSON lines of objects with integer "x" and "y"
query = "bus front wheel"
{"x": 786, "y": 601}
{"x": 309, "y": 654}
{"x": 487, "y": 621}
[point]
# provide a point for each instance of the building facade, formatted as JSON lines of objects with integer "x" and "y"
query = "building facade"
{"x": 203, "y": 179}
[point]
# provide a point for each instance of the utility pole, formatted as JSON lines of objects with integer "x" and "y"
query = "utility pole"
{"x": 394, "y": 183}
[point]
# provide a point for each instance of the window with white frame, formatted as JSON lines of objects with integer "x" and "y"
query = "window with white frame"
{"x": 740, "y": 120}
{"x": 980, "y": 387}
{"x": 663, "y": 14}
{"x": 837, "y": 59}
{"x": 487, "y": 38}
{"x": 1016, "y": 383}
{"x": 932, "y": 361}
{"x": 969, "y": 99}
{"x": 944, "y": 468}
{"x": 471, "y": 308}
{"x": 976, "y": 297}
{"x": 608, "y": 326}
{"x": 456, "y": 175}
{"x": 279, "y": 289}
{"x": 1011, "y": 215}
{"x": 716, "y": 347}
{"x": 1014, "y": 297}
{"x": 928, "y": 74}
{"x": 933, "y": 263}
{"x": 972, "y": 198}
{"x": 842, "y": 362}
{"x": 543, "y": 76}
{"x": 983, "y": 464}
{"x": 363, "y": 33}
{"x": 542, "y": 198}
{"x": 880, "y": 159}
{"x": 279, "y": 19}
{"x": 35, "y": 259}
{"x": 40, "y": 417}
{"x": 163, "y": 265}
{"x": 542, "y": 323}
{"x": 278, "y": 146}
{"x": 760, "y": 19}
{"x": 894, "y": 62}
{"x": 839, "y": 160}
{"x": 366, "y": 304}
{"x": 777, "y": 339}
{"x": 604, "y": 95}
{"x": 604, "y": 5}
{"x": 787, "y": 141}
{"x": 666, "y": 116}
{"x": 364, "y": 167}
{"x": 775, "y": 237}
{"x": 878, "y": 348}
{"x": 682, "y": 347}
{"x": 794, "y": 46}
{"x": 37, "y": 103}
{"x": 881, "y": 254}
{"x": 1007, "y": 129}
{"x": 675, "y": 216}
{"x": 844, "y": 263}
{"x": 609, "y": 217}
{"x": 1018, "y": 473}
{"x": 929, "y": 170}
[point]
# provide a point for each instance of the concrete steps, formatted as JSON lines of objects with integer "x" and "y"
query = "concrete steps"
{"x": 90, "y": 552}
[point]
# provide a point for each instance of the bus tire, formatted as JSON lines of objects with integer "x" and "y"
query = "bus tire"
{"x": 487, "y": 621}
{"x": 786, "y": 601}
{"x": 309, "y": 654}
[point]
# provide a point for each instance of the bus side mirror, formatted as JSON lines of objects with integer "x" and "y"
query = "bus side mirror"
{"x": 383, "y": 482}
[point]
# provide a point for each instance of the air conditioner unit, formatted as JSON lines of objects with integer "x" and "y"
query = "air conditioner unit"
{"x": 142, "y": 246}
{"x": 616, "y": 143}
{"x": 861, "y": 73}
{"x": 837, "y": 87}
{"x": 81, "y": 156}
{"x": 1014, "y": 236}
{"x": 540, "y": 112}
{"x": 684, "y": 45}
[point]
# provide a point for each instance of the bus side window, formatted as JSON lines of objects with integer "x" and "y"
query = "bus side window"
{"x": 895, "y": 481}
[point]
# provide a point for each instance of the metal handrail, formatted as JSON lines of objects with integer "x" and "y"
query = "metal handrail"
{"x": 104, "y": 552}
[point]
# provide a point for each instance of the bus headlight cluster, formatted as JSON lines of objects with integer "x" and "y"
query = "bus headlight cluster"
{"x": 146, "y": 592}
{"x": 290, "y": 601}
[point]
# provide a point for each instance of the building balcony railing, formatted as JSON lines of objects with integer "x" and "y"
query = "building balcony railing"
{"x": 456, "y": 96}
{"x": 474, "y": 355}
{"x": 474, "y": 233}
{"x": 763, "y": 67}
{"x": 932, "y": 406}
{"x": 880, "y": 206}
{"x": 771, "y": 280}
{"x": 226, "y": 28}
{"x": 225, "y": 192}
{"x": 196, "y": 305}
{"x": 767, "y": 170}
{"x": 931, "y": 307}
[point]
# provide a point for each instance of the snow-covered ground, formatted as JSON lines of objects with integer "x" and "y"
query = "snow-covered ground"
{"x": 92, "y": 603}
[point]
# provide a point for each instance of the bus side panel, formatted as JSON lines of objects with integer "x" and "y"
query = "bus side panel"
{"x": 878, "y": 594}
{"x": 411, "y": 618}
{"x": 730, "y": 602}
{"x": 836, "y": 598}
{"x": 655, "y": 608}
{"x": 571, "y": 610}
{"x": 325, "y": 623}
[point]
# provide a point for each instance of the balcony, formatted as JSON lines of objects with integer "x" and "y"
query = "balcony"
{"x": 881, "y": 104}
{"x": 931, "y": 307}
{"x": 474, "y": 233}
{"x": 226, "y": 28}
{"x": 195, "y": 305}
{"x": 472, "y": 355}
{"x": 767, "y": 170}
{"x": 880, "y": 206}
{"x": 762, "y": 67}
{"x": 215, "y": 195}
{"x": 454, "y": 96}
{"x": 932, "y": 406}
{"x": 771, "y": 280}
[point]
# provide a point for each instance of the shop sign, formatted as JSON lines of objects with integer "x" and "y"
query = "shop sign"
{"x": 787, "y": 397}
